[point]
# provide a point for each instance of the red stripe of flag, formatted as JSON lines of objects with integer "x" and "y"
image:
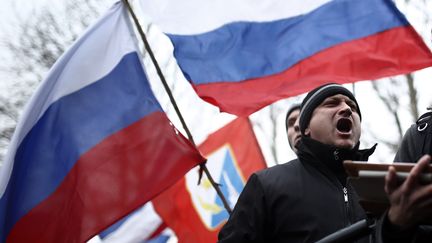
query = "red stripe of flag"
{"x": 108, "y": 182}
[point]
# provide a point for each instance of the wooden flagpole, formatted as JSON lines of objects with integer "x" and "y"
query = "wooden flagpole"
{"x": 174, "y": 103}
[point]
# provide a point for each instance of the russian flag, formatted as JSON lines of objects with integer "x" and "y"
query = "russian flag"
{"x": 93, "y": 144}
{"x": 243, "y": 55}
{"x": 142, "y": 225}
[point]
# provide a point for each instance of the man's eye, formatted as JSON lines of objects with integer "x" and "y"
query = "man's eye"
{"x": 330, "y": 103}
{"x": 353, "y": 107}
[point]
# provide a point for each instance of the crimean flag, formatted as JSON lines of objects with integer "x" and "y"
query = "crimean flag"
{"x": 92, "y": 145}
{"x": 243, "y": 55}
{"x": 194, "y": 212}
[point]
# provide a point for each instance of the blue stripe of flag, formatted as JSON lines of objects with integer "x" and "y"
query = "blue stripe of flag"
{"x": 246, "y": 50}
{"x": 70, "y": 127}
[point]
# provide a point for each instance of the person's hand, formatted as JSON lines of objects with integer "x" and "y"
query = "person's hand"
{"x": 411, "y": 202}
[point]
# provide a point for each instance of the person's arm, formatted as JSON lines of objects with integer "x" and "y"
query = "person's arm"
{"x": 410, "y": 204}
{"x": 246, "y": 223}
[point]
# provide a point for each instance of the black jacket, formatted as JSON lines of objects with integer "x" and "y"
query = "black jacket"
{"x": 303, "y": 200}
{"x": 417, "y": 140}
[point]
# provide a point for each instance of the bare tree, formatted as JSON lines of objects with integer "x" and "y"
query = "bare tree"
{"x": 43, "y": 37}
{"x": 35, "y": 44}
{"x": 390, "y": 99}
{"x": 269, "y": 126}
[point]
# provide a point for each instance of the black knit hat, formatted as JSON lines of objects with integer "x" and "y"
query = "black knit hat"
{"x": 315, "y": 97}
{"x": 290, "y": 110}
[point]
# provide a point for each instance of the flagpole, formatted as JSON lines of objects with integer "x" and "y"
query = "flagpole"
{"x": 174, "y": 103}
{"x": 353, "y": 89}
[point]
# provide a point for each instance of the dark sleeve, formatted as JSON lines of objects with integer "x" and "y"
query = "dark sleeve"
{"x": 246, "y": 223}
{"x": 409, "y": 148}
{"x": 424, "y": 234}
{"x": 386, "y": 232}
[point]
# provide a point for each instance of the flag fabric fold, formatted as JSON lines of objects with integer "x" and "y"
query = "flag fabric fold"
{"x": 194, "y": 212}
{"x": 141, "y": 225}
{"x": 245, "y": 55}
{"x": 92, "y": 145}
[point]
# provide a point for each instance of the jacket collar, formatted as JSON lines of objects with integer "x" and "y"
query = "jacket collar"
{"x": 315, "y": 152}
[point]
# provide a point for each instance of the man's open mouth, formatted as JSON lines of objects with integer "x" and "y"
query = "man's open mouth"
{"x": 344, "y": 125}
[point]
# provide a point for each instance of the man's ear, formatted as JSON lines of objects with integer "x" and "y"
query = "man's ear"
{"x": 307, "y": 132}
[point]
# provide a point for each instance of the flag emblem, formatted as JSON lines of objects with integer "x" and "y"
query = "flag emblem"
{"x": 195, "y": 212}
{"x": 226, "y": 172}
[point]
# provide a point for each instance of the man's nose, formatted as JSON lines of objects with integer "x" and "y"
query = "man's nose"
{"x": 345, "y": 109}
{"x": 296, "y": 127}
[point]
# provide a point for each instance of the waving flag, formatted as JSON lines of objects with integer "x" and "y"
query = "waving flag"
{"x": 93, "y": 145}
{"x": 141, "y": 225}
{"x": 194, "y": 212}
{"x": 243, "y": 55}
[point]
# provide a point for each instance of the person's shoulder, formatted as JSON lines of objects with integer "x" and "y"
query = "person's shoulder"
{"x": 424, "y": 121}
{"x": 278, "y": 170}
{"x": 278, "y": 177}
{"x": 421, "y": 126}
{"x": 416, "y": 140}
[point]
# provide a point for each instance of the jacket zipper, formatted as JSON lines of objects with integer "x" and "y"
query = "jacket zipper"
{"x": 347, "y": 209}
{"x": 345, "y": 193}
{"x": 336, "y": 154}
